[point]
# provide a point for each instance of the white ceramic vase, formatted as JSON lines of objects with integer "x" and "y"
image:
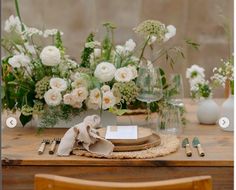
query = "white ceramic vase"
{"x": 208, "y": 112}
{"x": 227, "y": 110}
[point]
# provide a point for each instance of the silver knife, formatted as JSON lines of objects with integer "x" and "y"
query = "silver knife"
{"x": 186, "y": 145}
{"x": 196, "y": 143}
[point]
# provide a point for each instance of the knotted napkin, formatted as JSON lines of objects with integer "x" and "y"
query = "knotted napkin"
{"x": 84, "y": 134}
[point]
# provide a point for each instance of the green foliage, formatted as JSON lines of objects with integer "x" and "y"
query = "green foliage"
{"x": 85, "y": 57}
{"x": 52, "y": 115}
{"x": 118, "y": 112}
{"x": 25, "y": 119}
{"x": 192, "y": 44}
{"x": 59, "y": 43}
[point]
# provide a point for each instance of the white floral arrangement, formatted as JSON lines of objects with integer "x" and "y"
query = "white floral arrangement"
{"x": 224, "y": 73}
{"x": 43, "y": 79}
{"x": 199, "y": 86}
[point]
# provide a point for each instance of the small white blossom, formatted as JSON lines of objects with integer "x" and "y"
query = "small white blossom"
{"x": 51, "y": 32}
{"x": 171, "y": 31}
{"x": 50, "y": 56}
{"x": 92, "y": 44}
{"x": 19, "y": 60}
{"x": 30, "y": 31}
{"x": 195, "y": 72}
{"x": 53, "y": 97}
{"x": 130, "y": 45}
{"x": 13, "y": 24}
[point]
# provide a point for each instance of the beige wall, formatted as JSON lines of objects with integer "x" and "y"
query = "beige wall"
{"x": 200, "y": 20}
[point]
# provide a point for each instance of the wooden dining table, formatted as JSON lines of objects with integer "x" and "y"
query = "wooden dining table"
{"x": 20, "y": 160}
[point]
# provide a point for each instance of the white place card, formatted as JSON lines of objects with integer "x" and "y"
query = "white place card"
{"x": 122, "y": 132}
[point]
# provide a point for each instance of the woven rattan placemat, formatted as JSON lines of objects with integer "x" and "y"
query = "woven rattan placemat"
{"x": 169, "y": 144}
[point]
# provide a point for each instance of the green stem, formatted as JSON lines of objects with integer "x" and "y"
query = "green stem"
{"x": 18, "y": 14}
{"x": 143, "y": 49}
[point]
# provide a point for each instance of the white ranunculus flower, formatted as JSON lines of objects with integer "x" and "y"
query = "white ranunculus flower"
{"x": 123, "y": 74}
{"x": 80, "y": 94}
{"x": 79, "y": 82}
{"x": 19, "y": 60}
{"x": 195, "y": 72}
{"x": 94, "y": 100}
{"x": 68, "y": 99}
{"x": 105, "y": 71}
{"x": 134, "y": 71}
{"x": 58, "y": 84}
{"x": 53, "y": 97}
{"x": 50, "y": 56}
{"x": 95, "y": 96}
{"x": 13, "y": 24}
{"x": 105, "y": 88}
{"x": 109, "y": 100}
{"x": 171, "y": 31}
{"x": 130, "y": 45}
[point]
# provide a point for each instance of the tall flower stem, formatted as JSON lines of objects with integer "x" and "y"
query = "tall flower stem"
{"x": 143, "y": 49}
{"x": 18, "y": 14}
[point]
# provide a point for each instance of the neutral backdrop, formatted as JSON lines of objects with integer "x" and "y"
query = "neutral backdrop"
{"x": 200, "y": 20}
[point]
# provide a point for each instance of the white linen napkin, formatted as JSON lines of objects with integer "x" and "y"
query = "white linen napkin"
{"x": 86, "y": 134}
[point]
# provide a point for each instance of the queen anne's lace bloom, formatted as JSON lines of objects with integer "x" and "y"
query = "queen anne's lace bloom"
{"x": 51, "y": 32}
{"x": 150, "y": 28}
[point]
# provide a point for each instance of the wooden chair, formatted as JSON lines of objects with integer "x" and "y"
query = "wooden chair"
{"x": 53, "y": 182}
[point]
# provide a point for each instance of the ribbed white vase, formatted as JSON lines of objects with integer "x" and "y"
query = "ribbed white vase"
{"x": 208, "y": 112}
{"x": 227, "y": 110}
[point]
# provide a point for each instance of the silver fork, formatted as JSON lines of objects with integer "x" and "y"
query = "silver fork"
{"x": 43, "y": 145}
{"x": 53, "y": 145}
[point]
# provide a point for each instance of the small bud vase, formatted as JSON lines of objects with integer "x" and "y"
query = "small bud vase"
{"x": 227, "y": 110}
{"x": 208, "y": 112}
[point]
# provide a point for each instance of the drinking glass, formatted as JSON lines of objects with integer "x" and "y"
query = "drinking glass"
{"x": 150, "y": 86}
{"x": 176, "y": 86}
{"x": 170, "y": 120}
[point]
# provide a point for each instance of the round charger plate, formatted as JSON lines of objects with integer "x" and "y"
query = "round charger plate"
{"x": 143, "y": 135}
{"x": 146, "y": 139}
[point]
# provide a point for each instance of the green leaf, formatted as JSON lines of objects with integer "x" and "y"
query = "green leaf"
{"x": 25, "y": 119}
{"x": 192, "y": 44}
{"x": 116, "y": 111}
{"x": 85, "y": 57}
